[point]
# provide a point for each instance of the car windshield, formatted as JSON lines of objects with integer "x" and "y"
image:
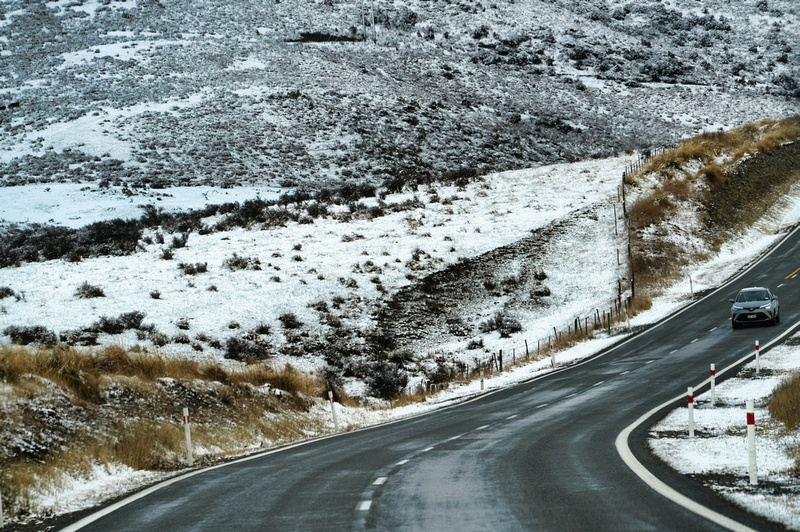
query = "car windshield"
{"x": 752, "y": 295}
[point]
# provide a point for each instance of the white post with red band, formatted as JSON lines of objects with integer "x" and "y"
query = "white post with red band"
{"x": 751, "y": 444}
{"x": 690, "y": 398}
{"x": 713, "y": 382}
{"x": 758, "y": 360}
{"x": 333, "y": 412}
{"x": 187, "y": 431}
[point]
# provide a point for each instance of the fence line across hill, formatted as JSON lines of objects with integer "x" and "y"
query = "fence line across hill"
{"x": 582, "y": 327}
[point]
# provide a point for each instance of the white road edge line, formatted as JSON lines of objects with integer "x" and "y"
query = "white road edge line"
{"x": 651, "y": 480}
{"x": 138, "y": 495}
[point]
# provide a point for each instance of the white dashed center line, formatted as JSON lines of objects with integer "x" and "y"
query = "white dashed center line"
{"x": 379, "y": 481}
{"x": 363, "y": 506}
{"x": 402, "y": 462}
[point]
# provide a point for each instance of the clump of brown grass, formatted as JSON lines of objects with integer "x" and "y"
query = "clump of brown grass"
{"x": 650, "y": 210}
{"x": 763, "y": 137}
{"x": 714, "y": 175}
{"x": 784, "y": 403}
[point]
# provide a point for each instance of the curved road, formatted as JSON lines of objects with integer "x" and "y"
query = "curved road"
{"x": 537, "y": 456}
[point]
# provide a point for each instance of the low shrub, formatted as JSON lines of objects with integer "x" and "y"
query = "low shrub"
{"x": 506, "y": 325}
{"x": 180, "y": 241}
{"x": 83, "y": 337}
{"x": 31, "y": 334}
{"x": 87, "y": 291}
{"x": 193, "y": 269}
{"x": 120, "y": 324}
{"x": 248, "y": 347}
{"x": 235, "y": 263}
{"x": 386, "y": 380}
{"x": 290, "y": 321}
{"x": 6, "y": 292}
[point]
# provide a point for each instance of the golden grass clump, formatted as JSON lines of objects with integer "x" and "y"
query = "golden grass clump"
{"x": 147, "y": 445}
{"x": 714, "y": 175}
{"x": 784, "y": 403}
{"x": 650, "y": 210}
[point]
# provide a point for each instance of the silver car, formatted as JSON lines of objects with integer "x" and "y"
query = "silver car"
{"x": 755, "y": 305}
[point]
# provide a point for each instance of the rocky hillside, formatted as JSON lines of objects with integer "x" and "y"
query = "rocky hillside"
{"x": 159, "y": 92}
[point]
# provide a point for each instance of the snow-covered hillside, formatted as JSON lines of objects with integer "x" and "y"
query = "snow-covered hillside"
{"x": 151, "y": 92}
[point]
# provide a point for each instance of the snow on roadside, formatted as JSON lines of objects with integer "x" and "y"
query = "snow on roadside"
{"x": 718, "y": 452}
{"x": 499, "y": 219}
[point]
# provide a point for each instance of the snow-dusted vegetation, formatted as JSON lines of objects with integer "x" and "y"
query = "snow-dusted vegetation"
{"x": 365, "y": 197}
{"x": 154, "y": 93}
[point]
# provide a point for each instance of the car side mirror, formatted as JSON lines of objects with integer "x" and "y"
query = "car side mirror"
{"x": 730, "y": 301}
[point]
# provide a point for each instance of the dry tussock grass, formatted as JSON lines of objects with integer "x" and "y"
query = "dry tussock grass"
{"x": 784, "y": 403}
{"x": 711, "y": 192}
{"x": 650, "y": 210}
{"x": 764, "y": 137}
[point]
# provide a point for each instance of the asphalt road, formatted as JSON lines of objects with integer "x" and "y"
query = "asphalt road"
{"x": 536, "y": 456}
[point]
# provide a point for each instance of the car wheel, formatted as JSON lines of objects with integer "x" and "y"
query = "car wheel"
{"x": 778, "y": 318}
{"x": 733, "y": 325}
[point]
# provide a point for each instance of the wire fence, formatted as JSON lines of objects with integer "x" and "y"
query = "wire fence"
{"x": 611, "y": 319}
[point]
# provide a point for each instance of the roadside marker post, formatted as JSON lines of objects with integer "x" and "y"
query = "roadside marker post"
{"x": 333, "y": 411}
{"x": 187, "y": 432}
{"x": 713, "y": 382}
{"x": 758, "y": 360}
{"x": 690, "y": 398}
{"x": 481, "y": 379}
{"x": 751, "y": 444}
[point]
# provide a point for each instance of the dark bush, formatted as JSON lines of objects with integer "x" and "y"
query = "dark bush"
{"x": 5, "y": 292}
{"x": 386, "y": 380}
{"x": 248, "y": 347}
{"x": 120, "y": 324}
{"x": 236, "y": 262}
{"x": 87, "y": 291}
{"x": 84, "y": 337}
{"x": 111, "y": 237}
{"x": 289, "y": 321}
{"x": 262, "y": 328}
{"x": 193, "y": 269}
{"x": 181, "y": 338}
{"x": 24, "y": 335}
{"x": 180, "y": 241}
{"x": 502, "y": 323}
